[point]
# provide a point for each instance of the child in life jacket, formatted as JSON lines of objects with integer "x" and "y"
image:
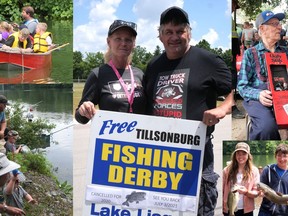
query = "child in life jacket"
{"x": 42, "y": 39}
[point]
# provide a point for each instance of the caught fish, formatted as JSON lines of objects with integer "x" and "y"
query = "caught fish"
{"x": 273, "y": 196}
{"x": 233, "y": 198}
{"x": 134, "y": 197}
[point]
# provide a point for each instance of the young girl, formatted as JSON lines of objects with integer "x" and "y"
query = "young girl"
{"x": 5, "y": 29}
{"x": 245, "y": 175}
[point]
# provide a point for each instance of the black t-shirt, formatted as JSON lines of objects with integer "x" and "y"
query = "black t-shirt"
{"x": 103, "y": 88}
{"x": 186, "y": 87}
{"x": 10, "y": 41}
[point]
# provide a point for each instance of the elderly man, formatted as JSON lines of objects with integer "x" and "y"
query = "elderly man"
{"x": 252, "y": 80}
{"x": 6, "y": 166}
{"x": 194, "y": 77}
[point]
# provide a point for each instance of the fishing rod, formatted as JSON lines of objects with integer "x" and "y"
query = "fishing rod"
{"x": 58, "y": 47}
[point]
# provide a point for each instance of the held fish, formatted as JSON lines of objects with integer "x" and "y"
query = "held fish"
{"x": 134, "y": 197}
{"x": 271, "y": 195}
{"x": 233, "y": 199}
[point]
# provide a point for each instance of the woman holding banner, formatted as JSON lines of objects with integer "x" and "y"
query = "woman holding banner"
{"x": 116, "y": 85}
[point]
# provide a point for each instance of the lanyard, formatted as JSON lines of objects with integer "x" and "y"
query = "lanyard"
{"x": 130, "y": 96}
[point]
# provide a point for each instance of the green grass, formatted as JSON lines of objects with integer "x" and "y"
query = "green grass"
{"x": 77, "y": 88}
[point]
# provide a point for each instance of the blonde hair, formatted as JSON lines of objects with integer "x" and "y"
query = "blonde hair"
{"x": 6, "y": 26}
{"x": 107, "y": 56}
{"x": 233, "y": 168}
{"x": 42, "y": 26}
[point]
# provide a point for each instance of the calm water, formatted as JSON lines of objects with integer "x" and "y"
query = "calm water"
{"x": 258, "y": 160}
{"x": 54, "y": 103}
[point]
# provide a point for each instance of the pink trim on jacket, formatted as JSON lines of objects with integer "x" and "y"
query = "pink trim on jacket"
{"x": 251, "y": 186}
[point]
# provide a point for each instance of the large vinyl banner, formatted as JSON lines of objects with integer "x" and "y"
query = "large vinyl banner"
{"x": 143, "y": 165}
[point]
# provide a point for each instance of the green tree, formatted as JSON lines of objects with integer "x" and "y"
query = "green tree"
{"x": 78, "y": 69}
{"x": 157, "y": 51}
{"x": 254, "y": 7}
{"x": 44, "y": 10}
{"x": 141, "y": 57}
{"x": 30, "y": 132}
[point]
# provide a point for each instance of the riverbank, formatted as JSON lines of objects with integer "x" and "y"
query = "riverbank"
{"x": 51, "y": 199}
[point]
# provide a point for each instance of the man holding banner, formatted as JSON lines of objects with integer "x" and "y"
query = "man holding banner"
{"x": 184, "y": 82}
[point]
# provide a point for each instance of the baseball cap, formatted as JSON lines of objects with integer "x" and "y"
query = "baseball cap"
{"x": 3, "y": 99}
{"x": 6, "y": 165}
{"x": 242, "y": 146}
{"x": 121, "y": 23}
{"x": 14, "y": 133}
{"x": 21, "y": 176}
{"x": 265, "y": 16}
{"x": 174, "y": 13}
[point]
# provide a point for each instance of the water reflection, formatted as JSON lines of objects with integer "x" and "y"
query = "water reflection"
{"x": 54, "y": 103}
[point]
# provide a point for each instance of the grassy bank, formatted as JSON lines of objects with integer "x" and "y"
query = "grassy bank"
{"x": 77, "y": 93}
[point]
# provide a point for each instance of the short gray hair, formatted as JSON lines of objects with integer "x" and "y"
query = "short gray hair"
{"x": 186, "y": 25}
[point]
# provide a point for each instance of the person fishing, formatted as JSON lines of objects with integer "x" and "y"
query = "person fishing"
{"x": 242, "y": 176}
{"x": 276, "y": 177}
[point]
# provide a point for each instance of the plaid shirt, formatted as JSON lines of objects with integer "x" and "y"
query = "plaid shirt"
{"x": 249, "y": 85}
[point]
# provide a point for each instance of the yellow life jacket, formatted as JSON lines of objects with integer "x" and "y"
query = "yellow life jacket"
{"x": 40, "y": 43}
{"x": 16, "y": 41}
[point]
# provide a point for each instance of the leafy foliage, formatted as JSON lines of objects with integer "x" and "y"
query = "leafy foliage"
{"x": 44, "y": 10}
{"x": 30, "y": 132}
{"x": 254, "y": 7}
{"x": 32, "y": 162}
{"x": 256, "y": 147}
{"x": 141, "y": 57}
{"x": 65, "y": 187}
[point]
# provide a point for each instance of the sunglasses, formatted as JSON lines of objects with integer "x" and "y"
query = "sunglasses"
{"x": 117, "y": 23}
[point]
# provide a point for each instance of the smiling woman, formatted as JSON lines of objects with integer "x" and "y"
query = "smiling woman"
{"x": 240, "y": 175}
{"x": 121, "y": 88}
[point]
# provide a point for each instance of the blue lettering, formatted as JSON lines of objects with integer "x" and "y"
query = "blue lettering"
{"x": 119, "y": 127}
{"x": 106, "y": 211}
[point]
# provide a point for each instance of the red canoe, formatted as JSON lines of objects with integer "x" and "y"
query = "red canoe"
{"x": 16, "y": 68}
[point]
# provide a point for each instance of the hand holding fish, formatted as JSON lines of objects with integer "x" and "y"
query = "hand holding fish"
{"x": 242, "y": 189}
{"x": 271, "y": 195}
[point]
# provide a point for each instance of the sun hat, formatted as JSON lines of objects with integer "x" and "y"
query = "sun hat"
{"x": 3, "y": 99}
{"x": 174, "y": 13}
{"x": 242, "y": 146}
{"x": 6, "y": 165}
{"x": 265, "y": 16}
{"x": 121, "y": 23}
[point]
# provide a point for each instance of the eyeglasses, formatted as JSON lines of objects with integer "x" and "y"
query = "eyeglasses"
{"x": 275, "y": 24}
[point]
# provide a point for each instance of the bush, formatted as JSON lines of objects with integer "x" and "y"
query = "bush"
{"x": 30, "y": 132}
{"x": 32, "y": 162}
